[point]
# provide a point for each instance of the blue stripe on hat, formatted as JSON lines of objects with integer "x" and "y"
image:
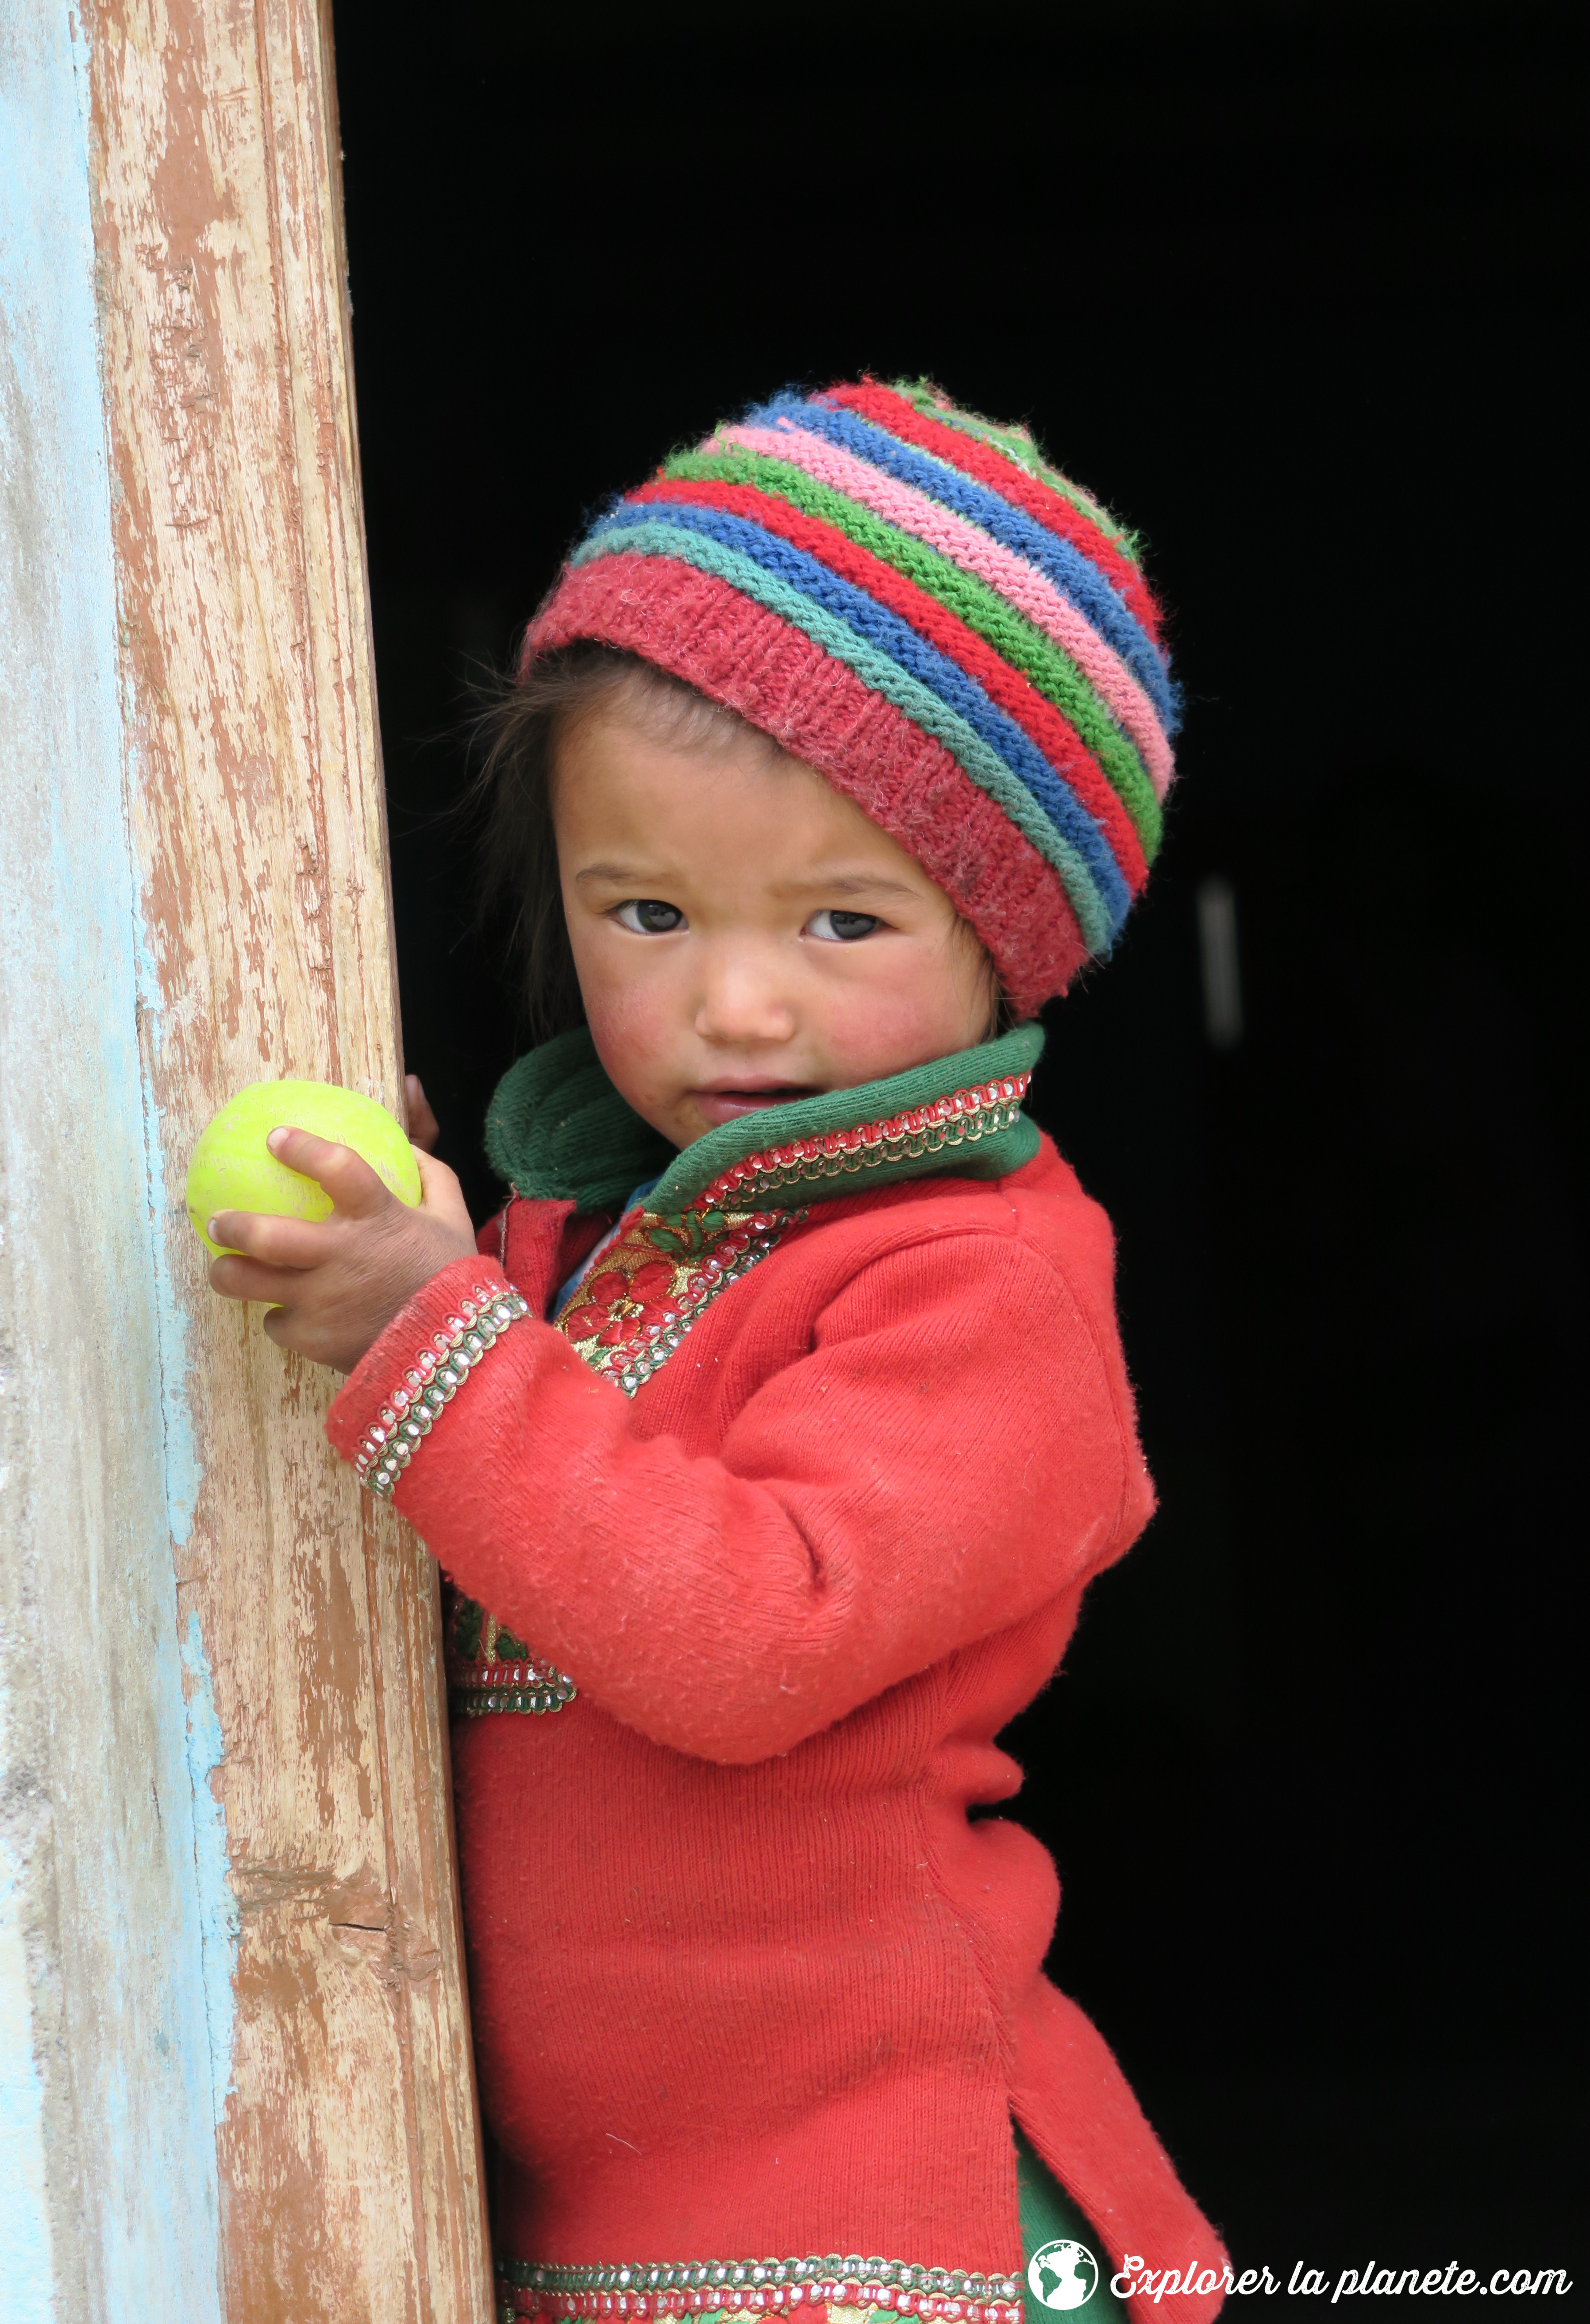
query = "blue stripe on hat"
{"x": 1079, "y": 581}
{"x": 912, "y": 652}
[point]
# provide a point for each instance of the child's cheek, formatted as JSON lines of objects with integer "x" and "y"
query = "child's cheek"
{"x": 894, "y": 1012}
{"x": 634, "y": 1028}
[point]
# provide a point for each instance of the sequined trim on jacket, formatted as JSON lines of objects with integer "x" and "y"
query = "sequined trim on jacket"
{"x": 819, "y": 2290}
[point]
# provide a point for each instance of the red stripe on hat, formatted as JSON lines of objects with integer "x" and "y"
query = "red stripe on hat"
{"x": 1045, "y": 726}
{"x": 737, "y": 652}
{"x": 975, "y": 458}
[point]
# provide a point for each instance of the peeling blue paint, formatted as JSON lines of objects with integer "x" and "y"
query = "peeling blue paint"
{"x": 26, "y": 2259}
{"x": 220, "y": 1924}
{"x": 114, "y": 2066}
{"x": 182, "y": 1465}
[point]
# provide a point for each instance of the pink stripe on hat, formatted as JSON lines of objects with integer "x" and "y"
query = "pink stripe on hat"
{"x": 955, "y": 537}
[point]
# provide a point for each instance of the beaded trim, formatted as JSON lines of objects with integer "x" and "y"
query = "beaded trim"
{"x": 963, "y": 1118}
{"x": 531, "y": 1686}
{"x": 720, "y": 2288}
{"x": 437, "y": 1372}
{"x": 489, "y": 1669}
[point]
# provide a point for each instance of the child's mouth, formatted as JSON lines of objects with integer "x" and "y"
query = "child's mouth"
{"x": 729, "y": 1103}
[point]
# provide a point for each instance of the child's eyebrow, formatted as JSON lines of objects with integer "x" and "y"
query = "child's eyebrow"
{"x": 844, "y": 883}
{"x": 815, "y": 884}
{"x": 621, "y": 873}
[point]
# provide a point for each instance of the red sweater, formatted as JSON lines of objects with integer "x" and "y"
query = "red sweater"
{"x": 744, "y": 1977}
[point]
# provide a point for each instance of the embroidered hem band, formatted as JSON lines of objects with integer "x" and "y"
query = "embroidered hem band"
{"x": 803, "y": 2288}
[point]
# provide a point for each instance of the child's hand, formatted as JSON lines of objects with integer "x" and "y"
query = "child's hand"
{"x": 335, "y": 1284}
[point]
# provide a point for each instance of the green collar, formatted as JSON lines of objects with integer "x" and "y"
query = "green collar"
{"x": 558, "y": 1130}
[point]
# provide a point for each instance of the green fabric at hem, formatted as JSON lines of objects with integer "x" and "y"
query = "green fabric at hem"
{"x": 1049, "y": 2216}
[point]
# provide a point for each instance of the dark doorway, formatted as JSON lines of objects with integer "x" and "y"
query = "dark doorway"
{"x": 1288, "y": 287}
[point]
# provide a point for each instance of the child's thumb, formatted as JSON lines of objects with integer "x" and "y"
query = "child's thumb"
{"x": 440, "y": 1193}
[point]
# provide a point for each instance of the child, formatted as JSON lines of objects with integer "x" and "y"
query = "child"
{"x": 773, "y": 1430}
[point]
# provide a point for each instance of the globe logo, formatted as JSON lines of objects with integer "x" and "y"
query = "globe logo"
{"x": 1063, "y": 2275}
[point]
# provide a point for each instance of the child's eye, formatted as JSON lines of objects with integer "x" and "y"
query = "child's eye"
{"x": 842, "y": 928}
{"x": 645, "y": 916}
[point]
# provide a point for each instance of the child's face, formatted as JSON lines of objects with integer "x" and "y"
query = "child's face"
{"x": 744, "y": 936}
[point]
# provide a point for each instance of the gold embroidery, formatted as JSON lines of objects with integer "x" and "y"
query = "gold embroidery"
{"x": 646, "y": 1290}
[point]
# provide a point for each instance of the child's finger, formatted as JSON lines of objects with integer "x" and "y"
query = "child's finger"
{"x": 424, "y": 1130}
{"x": 278, "y": 1242}
{"x": 346, "y": 1175}
{"x": 251, "y": 1279}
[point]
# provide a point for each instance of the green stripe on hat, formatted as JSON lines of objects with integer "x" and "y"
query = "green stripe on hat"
{"x": 1001, "y": 625}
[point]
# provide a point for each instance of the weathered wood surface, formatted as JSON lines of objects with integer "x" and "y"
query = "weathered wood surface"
{"x": 256, "y": 943}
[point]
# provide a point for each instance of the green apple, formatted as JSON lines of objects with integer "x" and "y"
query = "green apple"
{"x": 233, "y": 1169}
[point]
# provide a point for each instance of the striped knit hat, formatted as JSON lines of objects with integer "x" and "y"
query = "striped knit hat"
{"x": 908, "y": 598}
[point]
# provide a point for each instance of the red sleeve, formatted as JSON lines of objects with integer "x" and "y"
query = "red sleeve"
{"x": 954, "y": 1451}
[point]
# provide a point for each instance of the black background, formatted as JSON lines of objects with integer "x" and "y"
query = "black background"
{"x": 1290, "y": 289}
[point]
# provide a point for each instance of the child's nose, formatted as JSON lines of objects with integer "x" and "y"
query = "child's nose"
{"x": 741, "y": 998}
